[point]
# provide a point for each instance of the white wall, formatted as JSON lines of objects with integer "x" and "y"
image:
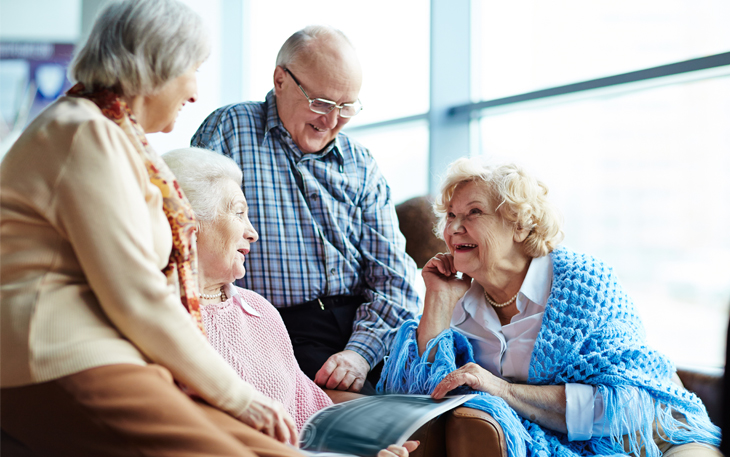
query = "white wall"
{"x": 40, "y": 20}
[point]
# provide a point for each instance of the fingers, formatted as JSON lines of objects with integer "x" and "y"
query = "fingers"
{"x": 286, "y": 430}
{"x": 325, "y": 372}
{"x": 449, "y": 262}
{"x": 281, "y": 426}
{"x": 449, "y": 383}
{"x": 399, "y": 451}
{"x": 411, "y": 445}
{"x": 345, "y": 370}
{"x": 443, "y": 263}
{"x": 470, "y": 375}
{"x": 271, "y": 418}
{"x": 336, "y": 378}
{"x": 347, "y": 381}
{"x": 357, "y": 385}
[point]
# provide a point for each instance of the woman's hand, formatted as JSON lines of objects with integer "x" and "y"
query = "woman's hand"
{"x": 544, "y": 405}
{"x": 399, "y": 451}
{"x": 474, "y": 376}
{"x": 439, "y": 275}
{"x": 443, "y": 291}
{"x": 270, "y": 418}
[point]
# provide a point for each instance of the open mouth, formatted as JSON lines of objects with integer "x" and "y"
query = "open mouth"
{"x": 464, "y": 247}
{"x": 317, "y": 128}
{"x": 243, "y": 253}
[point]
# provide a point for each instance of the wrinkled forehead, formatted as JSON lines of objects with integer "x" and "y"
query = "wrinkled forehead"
{"x": 232, "y": 195}
{"x": 473, "y": 190}
{"x": 329, "y": 67}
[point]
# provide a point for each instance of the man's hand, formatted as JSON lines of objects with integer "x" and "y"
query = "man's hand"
{"x": 345, "y": 370}
{"x": 271, "y": 418}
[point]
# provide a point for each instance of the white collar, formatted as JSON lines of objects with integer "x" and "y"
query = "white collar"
{"x": 535, "y": 288}
{"x": 231, "y": 292}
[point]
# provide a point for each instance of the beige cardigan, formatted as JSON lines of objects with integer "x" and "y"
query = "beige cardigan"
{"x": 83, "y": 239}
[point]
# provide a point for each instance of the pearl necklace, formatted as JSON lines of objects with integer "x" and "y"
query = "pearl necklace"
{"x": 213, "y": 296}
{"x": 500, "y": 305}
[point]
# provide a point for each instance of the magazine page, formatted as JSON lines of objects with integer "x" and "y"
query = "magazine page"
{"x": 364, "y": 426}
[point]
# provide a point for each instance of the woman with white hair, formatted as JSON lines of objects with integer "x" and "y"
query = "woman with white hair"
{"x": 99, "y": 355}
{"x": 242, "y": 325}
{"x": 546, "y": 336}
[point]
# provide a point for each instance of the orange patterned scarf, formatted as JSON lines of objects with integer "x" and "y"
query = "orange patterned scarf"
{"x": 183, "y": 264}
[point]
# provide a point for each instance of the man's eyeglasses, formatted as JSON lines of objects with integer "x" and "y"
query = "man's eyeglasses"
{"x": 324, "y": 106}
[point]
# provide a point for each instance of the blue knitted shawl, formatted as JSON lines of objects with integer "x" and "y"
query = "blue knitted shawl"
{"x": 590, "y": 334}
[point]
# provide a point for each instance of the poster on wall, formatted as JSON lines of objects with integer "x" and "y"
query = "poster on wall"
{"x": 32, "y": 75}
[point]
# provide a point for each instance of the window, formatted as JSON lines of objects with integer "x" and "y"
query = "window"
{"x": 526, "y": 45}
{"x": 402, "y": 155}
{"x": 642, "y": 181}
{"x": 391, "y": 39}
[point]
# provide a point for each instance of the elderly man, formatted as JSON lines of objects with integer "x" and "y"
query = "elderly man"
{"x": 331, "y": 258}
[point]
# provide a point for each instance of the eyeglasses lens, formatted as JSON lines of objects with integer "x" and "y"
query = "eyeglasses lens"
{"x": 320, "y": 106}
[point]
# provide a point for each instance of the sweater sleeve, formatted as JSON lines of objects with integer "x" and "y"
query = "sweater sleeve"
{"x": 116, "y": 230}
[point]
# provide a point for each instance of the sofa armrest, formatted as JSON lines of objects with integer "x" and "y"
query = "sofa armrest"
{"x": 432, "y": 437}
{"x": 707, "y": 386}
{"x": 470, "y": 432}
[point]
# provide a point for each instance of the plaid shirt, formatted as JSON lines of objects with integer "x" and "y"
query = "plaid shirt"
{"x": 326, "y": 222}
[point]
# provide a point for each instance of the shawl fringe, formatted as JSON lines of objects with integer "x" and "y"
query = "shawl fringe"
{"x": 405, "y": 372}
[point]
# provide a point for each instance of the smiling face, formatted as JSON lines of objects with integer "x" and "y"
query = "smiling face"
{"x": 328, "y": 70}
{"x": 162, "y": 107}
{"x": 479, "y": 239}
{"x": 224, "y": 242}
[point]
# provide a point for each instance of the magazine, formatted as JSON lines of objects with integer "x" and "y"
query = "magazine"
{"x": 364, "y": 426}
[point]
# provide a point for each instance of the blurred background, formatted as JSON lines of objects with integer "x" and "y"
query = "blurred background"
{"x": 621, "y": 107}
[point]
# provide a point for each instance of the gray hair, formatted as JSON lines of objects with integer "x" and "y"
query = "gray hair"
{"x": 136, "y": 46}
{"x": 300, "y": 41}
{"x": 202, "y": 174}
{"x": 521, "y": 200}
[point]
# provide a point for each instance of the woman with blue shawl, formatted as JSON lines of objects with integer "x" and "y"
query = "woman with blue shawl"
{"x": 546, "y": 336}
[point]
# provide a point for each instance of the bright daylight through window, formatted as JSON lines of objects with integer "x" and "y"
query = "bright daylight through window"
{"x": 640, "y": 172}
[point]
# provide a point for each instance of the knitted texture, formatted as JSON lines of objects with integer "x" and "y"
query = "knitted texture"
{"x": 260, "y": 351}
{"x": 590, "y": 334}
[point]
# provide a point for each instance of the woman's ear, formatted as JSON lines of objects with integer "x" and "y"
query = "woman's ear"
{"x": 520, "y": 234}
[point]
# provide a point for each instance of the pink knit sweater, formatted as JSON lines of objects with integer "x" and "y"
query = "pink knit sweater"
{"x": 250, "y": 335}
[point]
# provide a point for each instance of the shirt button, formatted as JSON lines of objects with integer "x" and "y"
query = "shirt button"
{"x": 333, "y": 271}
{"x": 313, "y": 196}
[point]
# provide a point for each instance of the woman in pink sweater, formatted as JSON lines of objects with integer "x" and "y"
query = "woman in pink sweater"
{"x": 240, "y": 324}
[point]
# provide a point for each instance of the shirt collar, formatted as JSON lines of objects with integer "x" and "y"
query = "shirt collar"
{"x": 535, "y": 287}
{"x": 273, "y": 123}
{"x": 232, "y": 293}
{"x": 538, "y": 281}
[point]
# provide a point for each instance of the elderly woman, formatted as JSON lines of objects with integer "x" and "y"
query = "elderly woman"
{"x": 546, "y": 335}
{"x": 242, "y": 325}
{"x": 98, "y": 265}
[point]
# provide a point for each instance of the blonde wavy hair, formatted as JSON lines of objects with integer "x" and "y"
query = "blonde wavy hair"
{"x": 521, "y": 200}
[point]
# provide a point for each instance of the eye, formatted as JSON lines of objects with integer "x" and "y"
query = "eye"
{"x": 450, "y": 215}
{"x": 476, "y": 211}
{"x": 241, "y": 215}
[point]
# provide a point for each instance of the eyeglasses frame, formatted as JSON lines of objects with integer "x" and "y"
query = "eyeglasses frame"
{"x": 330, "y": 102}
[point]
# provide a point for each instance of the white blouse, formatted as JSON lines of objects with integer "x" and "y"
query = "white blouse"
{"x": 506, "y": 350}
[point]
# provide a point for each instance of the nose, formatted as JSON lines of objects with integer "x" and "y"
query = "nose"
{"x": 250, "y": 233}
{"x": 455, "y": 226}
{"x": 332, "y": 118}
{"x": 193, "y": 98}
